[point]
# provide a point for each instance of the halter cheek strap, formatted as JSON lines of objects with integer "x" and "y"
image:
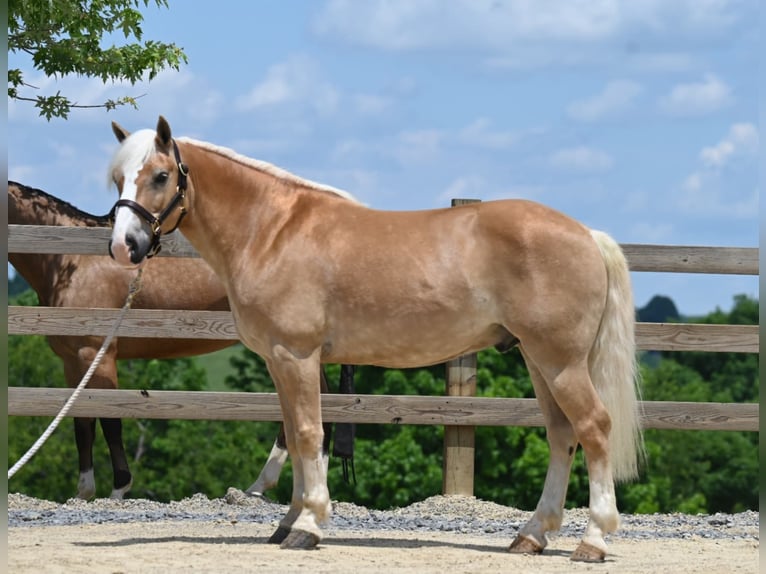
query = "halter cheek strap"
{"x": 155, "y": 223}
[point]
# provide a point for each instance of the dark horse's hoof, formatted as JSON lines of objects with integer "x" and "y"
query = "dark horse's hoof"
{"x": 300, "y": 540}
{"x": 279, "y": 535}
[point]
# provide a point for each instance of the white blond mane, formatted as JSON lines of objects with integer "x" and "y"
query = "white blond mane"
{"x": 133, "y": 153}
{"x": 137, "y": 148}
{"x": 266, "y": 167}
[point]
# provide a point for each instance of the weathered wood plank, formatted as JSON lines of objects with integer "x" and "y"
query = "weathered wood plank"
{"x": 641, "y": 257}
{"x": 367, "y": 409}
{"x": 692, "y": 259}
{"x": 220, "y": 325}
{"x": 697, "y": 337}
{"x": 82, "y": 240}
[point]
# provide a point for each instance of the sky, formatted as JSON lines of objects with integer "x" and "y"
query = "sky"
{"x": 637, "y": 117}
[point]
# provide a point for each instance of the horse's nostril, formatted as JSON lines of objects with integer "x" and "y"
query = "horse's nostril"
{"x": 131, "y": 242}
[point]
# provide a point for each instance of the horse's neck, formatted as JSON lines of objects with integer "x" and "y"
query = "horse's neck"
{"x": 229, "y": 200}
{"x": 27, "y": 207}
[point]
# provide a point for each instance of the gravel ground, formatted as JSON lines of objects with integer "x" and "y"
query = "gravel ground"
{"x": 460, "y": 534}
{"x": 435, "y": 514}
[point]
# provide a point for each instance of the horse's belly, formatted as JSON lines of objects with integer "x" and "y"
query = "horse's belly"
{"x": 416, "y": 344}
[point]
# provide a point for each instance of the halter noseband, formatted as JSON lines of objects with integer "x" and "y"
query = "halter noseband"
{"x": 155, "y": 223}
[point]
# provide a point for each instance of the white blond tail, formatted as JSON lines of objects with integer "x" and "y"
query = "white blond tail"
{"x": 613, "y": 366}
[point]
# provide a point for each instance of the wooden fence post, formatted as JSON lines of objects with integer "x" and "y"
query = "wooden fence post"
{"x": 459, "y": 451}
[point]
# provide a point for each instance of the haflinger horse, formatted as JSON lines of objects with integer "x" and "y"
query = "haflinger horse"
{"x": 96, "y": 281}
{"x": 314, "y": 276}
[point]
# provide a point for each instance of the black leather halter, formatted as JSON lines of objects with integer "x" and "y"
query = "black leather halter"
{"x": 155, "y": 223}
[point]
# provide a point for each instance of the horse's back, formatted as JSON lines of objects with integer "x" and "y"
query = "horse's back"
{"x": 424, "y": 286}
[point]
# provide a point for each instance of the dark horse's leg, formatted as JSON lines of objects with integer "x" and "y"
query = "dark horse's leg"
{"x": 123, "y": 480}
{"x": 104, "y": 377}
{"x": 84, "y": 434}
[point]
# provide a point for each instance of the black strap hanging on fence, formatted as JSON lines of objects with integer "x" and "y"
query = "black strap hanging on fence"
{"x": 343, "y": 446}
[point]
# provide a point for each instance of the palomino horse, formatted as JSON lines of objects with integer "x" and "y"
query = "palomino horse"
{"x": 313, "y": 276}
{"x": 95, "y": 281}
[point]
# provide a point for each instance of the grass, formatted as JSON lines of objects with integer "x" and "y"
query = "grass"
{"x": 217, "y": 366}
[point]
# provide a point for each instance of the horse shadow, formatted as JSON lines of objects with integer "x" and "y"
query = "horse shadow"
{"x": 337, "y": 541}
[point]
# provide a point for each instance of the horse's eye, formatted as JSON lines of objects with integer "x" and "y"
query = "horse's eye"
{"x": 161, "y": 178}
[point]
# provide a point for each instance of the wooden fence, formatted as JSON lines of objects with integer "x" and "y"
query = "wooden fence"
{"x": 459, "y": 410}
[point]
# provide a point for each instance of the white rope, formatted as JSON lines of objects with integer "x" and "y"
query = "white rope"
{"x": 132, "y": 290}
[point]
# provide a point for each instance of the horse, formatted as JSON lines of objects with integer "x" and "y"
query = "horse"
{"x": 96, "y": 281}
{"x": 313, "y": 276}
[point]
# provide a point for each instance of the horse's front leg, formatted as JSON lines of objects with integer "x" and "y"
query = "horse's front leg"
{"x": 270, "y": 472}
{"x": 297, "y": 381}
{"x": 104, "y": 377}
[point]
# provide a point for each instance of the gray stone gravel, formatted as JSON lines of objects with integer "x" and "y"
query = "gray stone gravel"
{"x": 436, "y": 514}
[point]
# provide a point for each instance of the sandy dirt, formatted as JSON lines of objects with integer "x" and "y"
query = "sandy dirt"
{"x": 221, "y": 546}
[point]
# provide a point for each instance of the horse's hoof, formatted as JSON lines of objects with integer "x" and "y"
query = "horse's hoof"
{"x": 300, "y": 540}
{"x": 279, "y": 535}
{"x": 119, "y": 493}
{"x": 587, "y": 553}
{"x": 524, "y": 545}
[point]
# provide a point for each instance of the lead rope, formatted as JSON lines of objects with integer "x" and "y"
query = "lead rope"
{"x": 135, "y": 286}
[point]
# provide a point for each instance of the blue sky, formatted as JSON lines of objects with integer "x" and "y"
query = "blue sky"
{"x": 637, "y": 117}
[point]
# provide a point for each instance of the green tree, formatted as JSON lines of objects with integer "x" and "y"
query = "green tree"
{"x": 701, "y": 471}
{"x": 66, "y": 37}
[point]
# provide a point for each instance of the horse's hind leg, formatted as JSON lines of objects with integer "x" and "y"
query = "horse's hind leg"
{"x": 563, "y": 444}
{"x": 84, "y": 435}
{"x": 84, "y": 432}
{"x": 123, "y": 480}
{"x": 104, "y": 377}
{"x": 572, "y": 389}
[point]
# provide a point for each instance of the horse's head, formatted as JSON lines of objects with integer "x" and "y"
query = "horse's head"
{"x": 151, "y": 180}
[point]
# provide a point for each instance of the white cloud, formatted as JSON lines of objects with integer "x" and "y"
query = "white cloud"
{"x": 418, "y": 146}
{"x": 710, "y": 195}
{"x": 296, "y": 80}
{"x": 741, "y": 139}
{"x": 169, "y": 90}
{"x": 424, "y": 24}
{"x": 525, "y": 33}
{"x": 616, "y": 97}
{"x": 715, "y": 189}
{"x": 651, "y": 232}
{"x": 581, "y": 158}
{"x": 348, "y": 148}
{"x": 371, "y": 104}
{"x": 22, "y": 173}
{"x": 697, "y": 98}
{"x": 661, "y": 62}
{"x": 261, "y": 147}
{"x": 480, "y": 134}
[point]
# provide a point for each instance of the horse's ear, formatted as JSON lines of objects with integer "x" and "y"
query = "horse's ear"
{"x": 119, "y": 131}
{"x": 163, "y": 132}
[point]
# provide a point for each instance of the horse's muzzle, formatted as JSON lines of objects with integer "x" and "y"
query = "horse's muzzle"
{"x": 131, "y": 252}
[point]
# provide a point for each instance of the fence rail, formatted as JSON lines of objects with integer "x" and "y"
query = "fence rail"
{"x": 367, "y": 409}
{"x": 219, "y": 325}
{"x": 461, "y": 412}
{"x": 641, "y": 257}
